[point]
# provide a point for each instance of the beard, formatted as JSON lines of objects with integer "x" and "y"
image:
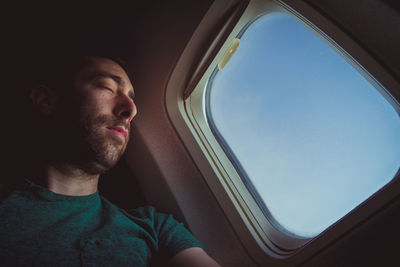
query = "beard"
{"x": 101, "y": 149}
{"x": 83, "y": 141}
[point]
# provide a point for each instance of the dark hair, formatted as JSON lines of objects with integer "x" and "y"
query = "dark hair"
{"x": 58, "y": 71}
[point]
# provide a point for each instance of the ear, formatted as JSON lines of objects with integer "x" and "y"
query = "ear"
{"x": 44, "y": 99}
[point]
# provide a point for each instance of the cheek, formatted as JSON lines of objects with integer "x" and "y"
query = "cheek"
{"x": 96, "y": 106}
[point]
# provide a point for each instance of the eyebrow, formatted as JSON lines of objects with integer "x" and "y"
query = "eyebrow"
{"x": 115, "y": 78}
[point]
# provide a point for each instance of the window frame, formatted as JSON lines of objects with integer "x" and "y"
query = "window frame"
{"x": 264, "y": 243}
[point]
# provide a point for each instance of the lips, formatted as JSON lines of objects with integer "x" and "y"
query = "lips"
{"x": 119, "y": 131}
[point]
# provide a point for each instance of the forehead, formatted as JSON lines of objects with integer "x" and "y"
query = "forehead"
{"x": 97, "y": 66}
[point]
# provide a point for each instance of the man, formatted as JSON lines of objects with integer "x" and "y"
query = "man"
{"x": 56, "y": 217}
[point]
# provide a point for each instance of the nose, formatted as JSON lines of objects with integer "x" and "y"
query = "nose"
{"x": 125, "y": 108}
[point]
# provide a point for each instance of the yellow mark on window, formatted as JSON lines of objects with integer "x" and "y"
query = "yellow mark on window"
{"x": 229, "y": 53}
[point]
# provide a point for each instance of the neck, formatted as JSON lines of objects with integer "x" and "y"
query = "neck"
{"x": 66, "y": 179}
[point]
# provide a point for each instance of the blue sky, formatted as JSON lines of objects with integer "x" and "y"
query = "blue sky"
{"x": 315, "y": 137}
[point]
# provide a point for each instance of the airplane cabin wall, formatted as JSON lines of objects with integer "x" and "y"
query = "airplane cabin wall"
{"x": 166, "y": 172}
{"x": 168, "y": 177}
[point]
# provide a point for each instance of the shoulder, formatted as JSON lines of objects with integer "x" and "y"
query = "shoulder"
{"x": 149, "y": 213}
{"x": 159, "y": 221}
{"x": 167, "y": 227}
{"x": 172, "y": 235}
{"x": 145, "y": 216}
{"x": 145, "y": 212}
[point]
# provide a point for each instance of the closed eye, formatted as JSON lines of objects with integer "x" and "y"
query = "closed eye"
{"x": 100, "y": 83}
{"x": 107, "y": 88}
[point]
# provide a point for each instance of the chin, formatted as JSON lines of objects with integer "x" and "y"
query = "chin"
{"x": 99, "y": 166}
{"x": 105, "y": 151}
{"x": 108, "y": 156}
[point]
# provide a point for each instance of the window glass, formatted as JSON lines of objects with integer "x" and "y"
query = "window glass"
{"x": 309, "y": 135}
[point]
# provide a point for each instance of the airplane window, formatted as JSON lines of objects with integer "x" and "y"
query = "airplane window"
{"x": 310, "y": 136}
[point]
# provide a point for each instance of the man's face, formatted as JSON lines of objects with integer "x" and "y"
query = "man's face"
{"x": 103, "y": 108}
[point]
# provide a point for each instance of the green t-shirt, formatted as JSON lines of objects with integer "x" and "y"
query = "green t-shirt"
{"x": 42, "y": 228}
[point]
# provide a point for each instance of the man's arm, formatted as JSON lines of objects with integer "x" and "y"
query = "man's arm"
{"x": 192, "y": 257}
